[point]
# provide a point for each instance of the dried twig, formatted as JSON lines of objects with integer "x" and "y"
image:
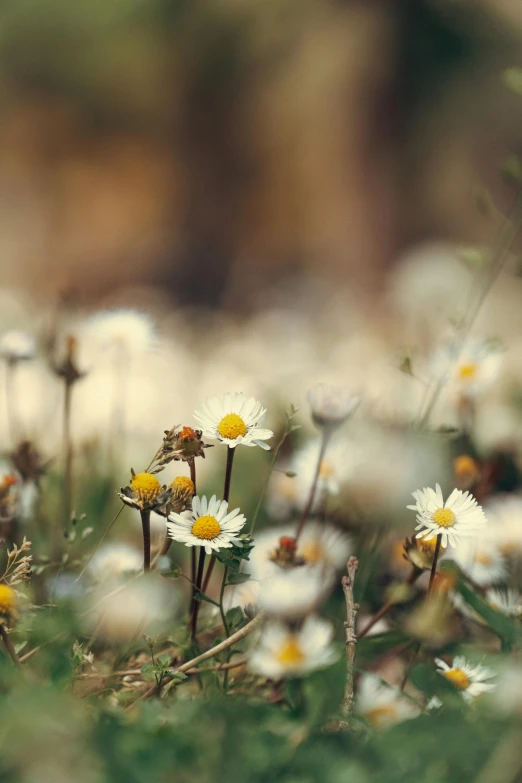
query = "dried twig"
{"x": 352, "y": 610}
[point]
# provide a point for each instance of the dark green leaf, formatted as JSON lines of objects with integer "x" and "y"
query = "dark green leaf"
{"x": 238, "y": 579}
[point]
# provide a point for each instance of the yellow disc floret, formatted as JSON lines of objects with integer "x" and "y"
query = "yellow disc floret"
{"x": 232, "y": 426}
{"x": 182, "y": 484}
{"x": 326, "y": 470}
{"x": 467, "y": 372}
{"x": 444, "y": 517}
{"x": 290, "y": 653}
{"x": 146, "y": 486}
{"x": 379, "y": 715}
{"x": 458, "y": 678}
{"x": 206, "y": 527}
{"x": 8, "y": 601}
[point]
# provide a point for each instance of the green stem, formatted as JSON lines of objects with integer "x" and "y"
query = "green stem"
{"x": 313, "y": 489}
{"x": 195, "y": 609}
{"x": 145, "y": 523}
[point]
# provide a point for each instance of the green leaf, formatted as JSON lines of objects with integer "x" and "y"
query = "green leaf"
{"x": 181, "y": 676}
{"x": 173, "y": 573}
{"x": 148, "y": 672}
{"x": 164, "y": 660}
{"x": 234, "y": 617}
{"x": 203, "y": 597}
{"x": 238, "y": 579}
{"x": 503, "y": 626}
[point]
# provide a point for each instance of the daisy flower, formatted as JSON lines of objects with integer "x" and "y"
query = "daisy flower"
{"x": 460, "y": 515}
{"x": 505, "y": 523}
{"x": 469, "y": 679}
{"x": 284, "y": 653}
{"x": 508, "y": 601}
{"x": 234, "y": 420}
{"x": 295, "y": 592}
{"x": 113, "y": 560}
{"x": 481, "y": 561}
{"x": 208, "y": 524}
{"x": 331, "y": 405}
{"x": 381, "y": 705}
{"x": 17, "y": 346}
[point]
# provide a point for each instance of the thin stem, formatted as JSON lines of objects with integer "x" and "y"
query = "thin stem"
{"x": 306, "y": 511}
{"x": 145, "y": 523}
{"x": 68, "y": 453}
{"x": 9, "y": 645}
{"x": 228, "y": 473}
{"x": 192, "y": 467}
{"x": 388, "y": 605}
{"x": 434, "y": 564}
{"x": 195, "y": 608}
{"x": 224, "y": 620}
{"x": 266, "y": 482}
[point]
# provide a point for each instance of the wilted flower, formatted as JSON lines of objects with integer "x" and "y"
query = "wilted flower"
{"x": 469, "y": 679}
{"x": 182, "y": 443}
{"x": 460, "y": 515}
{"x": 235, "y": 420}
{"x": 145, "y": 492}
{"x": 283, "y": 653}
{"x": 420, "y": 552}
{"x": 331, "y": 405}
{"x": 382, "y": 705}
{"x": 9, "y": 494}
{"x": 8, "y": 605}
{"x": 481, "y": 561}
{"x": 17, "y": 346}
{"x": 208, "y": 524}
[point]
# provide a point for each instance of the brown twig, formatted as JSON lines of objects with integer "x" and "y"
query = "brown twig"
{"x": 351, "y": 637}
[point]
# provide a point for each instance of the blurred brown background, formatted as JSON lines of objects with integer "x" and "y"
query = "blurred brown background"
{"x": 215, "y": 147}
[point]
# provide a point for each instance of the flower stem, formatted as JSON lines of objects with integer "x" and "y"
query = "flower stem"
{"x": 145, "y": 523}
{"x": 68, "y": 454}
{"x": 192, "y": 467}
{"x": 435, "y": 560}
{"x": 224, "y": 621}
{"x": 226, "y": 495}
{"x": 415, "y": 573}
{"x": 195, "y": 607}
{"x": 313, "y": 488}
{"x": 9, "y": 645}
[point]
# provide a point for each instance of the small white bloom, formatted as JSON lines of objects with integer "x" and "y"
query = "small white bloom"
{"x": 208, "y": 524}
{"x": 331, "y": 405}
{"x": 234, "y": 420}
{"x": 381, "y": 705}
{"x": 284, "y": 653}
{"x": 244, "y": 596}
{"x": 480, "y": 560}
{"x": 505, "y": 523}
{"x": 295, "y": 592}
{"x": 469, "y": 679}
{"x": 460, "y": 515}
{"x": 127, "y": 329}
{"x": 17, "y": 345}
{"x": 470, "y": 368}
{"x": 507, "y": 601}
{"x": 115, "y": 559}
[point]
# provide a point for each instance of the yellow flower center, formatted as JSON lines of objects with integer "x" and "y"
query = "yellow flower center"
{"x": 482, "y": 558}
{"x": 182, "y": 484}
{"x": 312, "y": 552}
{"x": 146, "y": 486}
{"x": 444, "y": 517}
{"x": 379, "y": 715}
{"x": 458, "y": 678}
{"x": 465, "y": 466}
{"x": 468, "y": 371}
{"x": 290, "y": 653}
{"x": 7, "y": 599}
{"x": 326, "y": 470}
{"x": 232, "y": 426}
{"x": 206, "y": 527}
{"x": 427, "y": 546}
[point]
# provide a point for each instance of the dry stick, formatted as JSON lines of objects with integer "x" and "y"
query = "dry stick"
{"x": 351, "y": 637}
{"x": 218, "y": 667}
{"x": 224, "y": 645}
{"x": 145, "y": 523}
{"x": 313, "y": 489}
{"x": 9, "y": 645}
{"x": 226, "y": 495}
{"x": 388, "y": 605}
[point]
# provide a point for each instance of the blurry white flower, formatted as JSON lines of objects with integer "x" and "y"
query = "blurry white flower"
{"x": 284, "y": 653}
{"x": 335, "y": 468}
{"x": 470, "y": 679}
{"x": 507, "y": 601}
{"x": 234, "y": 420}
{"x": 126, "y": 329}
{"x": 331, "y": 405}
{"x": 144, "y": 605}
{"x": 208, "y": 524}
{"x": 460, "y": 515}
{"x": 480, "y": 560}
{"x": 115, "y": 559}
{"x": 380, "y": 705}
{"x": 17, "y": 345}
{"x": 471, "y": 368}
{"x": 505, "y": 523}
{"x": 244, "y": 595}
{"x": 295, "y": 592}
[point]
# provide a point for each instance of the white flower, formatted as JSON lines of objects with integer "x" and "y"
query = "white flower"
{"x": 124, "y": 328}
{"x": 380, "y": 705}
{"x": 115, "y": 559}
{"x": 468, "y": 678}
{"x": 480, "y": 560}
{"x": 208, "y": 524}
{"x": 295, "y": 592}
{"x": 244, "y": 595}
{"x": 234, "y": 420}
{"x": 507, "y": 601}
{"x": 285, "y": 653}
{"x": 331, "y": 405}
{"x": 17, "y": 345}
{"x": 471, "y": 367}
{"x": 505, "y": 523}
{"x": 460, "y": 515}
